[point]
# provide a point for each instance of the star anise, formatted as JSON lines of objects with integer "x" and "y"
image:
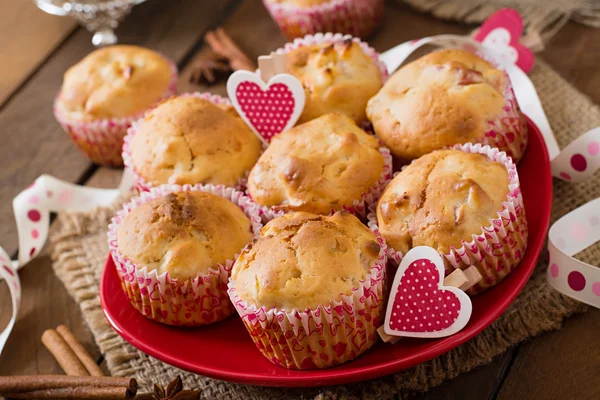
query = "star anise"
{"x": 174, "y": 391}
{"x": 210, "y": 70}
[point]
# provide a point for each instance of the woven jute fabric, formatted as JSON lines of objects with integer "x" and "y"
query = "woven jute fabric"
{"x": 79, "y": 249}
{"x": 546, "y": 17}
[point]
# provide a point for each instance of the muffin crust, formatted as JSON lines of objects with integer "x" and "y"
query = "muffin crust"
{"x": 302, "y": 260}
{"x": 444, "y": 98}
{"x": 183, "y": 233}
{"x": 317, "y": 167}
{"x": 191, "y": 140}
{"x": 113, "y": 82}
{"x": 337, "y": 77}
{"x": 440, "y": 200}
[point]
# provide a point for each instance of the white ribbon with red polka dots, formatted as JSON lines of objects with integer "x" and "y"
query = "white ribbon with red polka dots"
{"x": 32, "y": 208}
{"x": 576, "y": 162}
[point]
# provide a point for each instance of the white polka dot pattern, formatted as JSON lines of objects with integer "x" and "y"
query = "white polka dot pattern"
{"x": 267, "y": 110}
{"x": 420, "y": 305}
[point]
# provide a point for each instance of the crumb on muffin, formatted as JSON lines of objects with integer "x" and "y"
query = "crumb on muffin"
{"x": 319, "y": 166}
{"x": 441, "y": 199}
{"x": 183, "y": 233}
{"x": 302, "y": 260}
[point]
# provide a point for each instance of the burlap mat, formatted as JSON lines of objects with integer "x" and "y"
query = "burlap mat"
{"x": 544, "y": 16}
{"x": 79, "y": 249}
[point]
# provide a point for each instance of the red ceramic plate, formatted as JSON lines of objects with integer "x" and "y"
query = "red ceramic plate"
{"x": 225, "y": 350}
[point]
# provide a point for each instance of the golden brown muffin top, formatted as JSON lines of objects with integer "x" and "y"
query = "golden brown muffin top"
{"x": 113, "y": 82}
{"x": 317, "y": 167}
{"x": 183, "y": 233}
{"x": 444, "y": 98}
{"x": 302, "y": 260}
{"x": 441, "y": 199}
{"x": 337, "y": 77}
{"x": 191, "y": 140}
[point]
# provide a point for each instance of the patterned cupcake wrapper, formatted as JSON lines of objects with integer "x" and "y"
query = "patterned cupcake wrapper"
{"x": 141, "y": 184}
{"x": 355, "y": 17}
{"x": 508, "y": 132}
{"x": 320, "y": 38}
{"x": 191, "y": 302}
{"x": 327, "y": 335}
{"x": 102, "y": 140}
{"x": 500, "y": 246}
{"x": 360, "y": 208}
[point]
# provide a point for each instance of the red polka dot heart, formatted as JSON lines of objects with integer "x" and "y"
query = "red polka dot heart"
{"x": 267, "y": 109}
{"x": 420, "y": 306}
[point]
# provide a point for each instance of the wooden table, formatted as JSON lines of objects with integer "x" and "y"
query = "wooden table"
{"x": 33, "y": 143}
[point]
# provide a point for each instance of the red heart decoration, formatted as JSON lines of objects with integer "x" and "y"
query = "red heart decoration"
{"x": 501, "y": 31}
{"x": 269, "y": 108}
{"x": 420, "y": 306}
{"x": 268, "y": 111}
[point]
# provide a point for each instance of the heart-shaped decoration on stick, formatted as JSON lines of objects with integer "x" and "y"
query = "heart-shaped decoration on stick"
{"x": 420, "y": 305}
{"x": 502, "y": 31}
{"x": 267, "y": 108}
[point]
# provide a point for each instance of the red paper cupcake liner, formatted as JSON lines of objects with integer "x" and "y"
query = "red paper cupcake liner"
{"x": 102, "y": 140}
{"x": 327, "y": 335}
{"x": 355, "y": 17}
{"x": 360, "y": 208}
{"x": 190, "y": 302}
{"x": 500, "y": 246}
{"x": 141, "y": 184}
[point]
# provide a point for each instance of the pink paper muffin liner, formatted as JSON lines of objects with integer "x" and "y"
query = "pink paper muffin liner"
{"x": 360, "y": 208}
{"x": 319, "y": 38}
{"x": 355, "y": 17}
{"x": 191, "y": 302}
{"x": 508, "y": 132}
{"x": 500, "y": 246}
{"x": 141, "y": 184}
{"x": 102, "y": 140}
{"x": 327, "y": 335}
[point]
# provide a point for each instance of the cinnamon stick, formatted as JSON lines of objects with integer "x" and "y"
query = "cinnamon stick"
{"x": 82, "y": 392}
{"x": 29, "y": 383}
{"x": 81, "y": 353}
{"x": 222, "y": 44}
{"x": 63, "y": 353}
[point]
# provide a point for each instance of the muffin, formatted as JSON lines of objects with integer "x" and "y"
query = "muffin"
{"x": 465, "y": 203}
{"x": 310, "y": 289}
{"x": 174, "y": 248}
{"x": 191, "y": 139}
{"x": 321, "y": 166}
{"x": 106, "y": 91}
{"x": 445, "y": 98}
{"x": 337, "y": 75}
{"x": 297, "y": 18}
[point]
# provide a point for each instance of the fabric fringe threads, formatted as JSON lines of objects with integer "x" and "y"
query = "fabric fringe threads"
{"x": 78, "y": 248}
{"x": 545, "y": 17}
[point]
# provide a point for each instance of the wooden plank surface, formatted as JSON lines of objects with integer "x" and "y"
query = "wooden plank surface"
{"x": 33, "y": 35}
{"x": 36, "y": 144}
{"x": 561, "y": 365}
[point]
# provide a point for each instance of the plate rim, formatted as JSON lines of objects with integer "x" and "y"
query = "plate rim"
{"x": 329, "y": 376}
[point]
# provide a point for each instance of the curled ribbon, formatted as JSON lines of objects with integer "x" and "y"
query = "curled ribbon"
{"x": 32, "y": 208}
